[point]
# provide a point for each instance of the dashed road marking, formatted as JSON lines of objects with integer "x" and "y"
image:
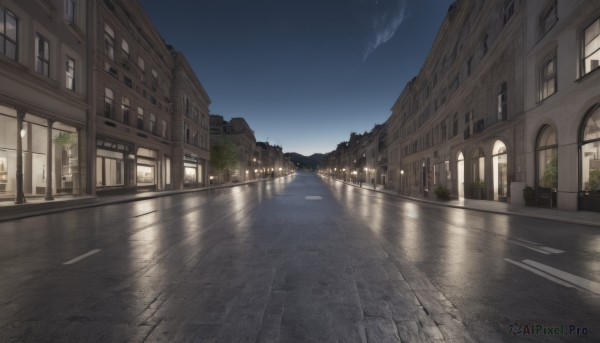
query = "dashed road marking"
{"x": 578, "y": 281}
{"x": 313, "y": 197}
{"x": 540, "y": 273}
{"x": 79, "y": 258}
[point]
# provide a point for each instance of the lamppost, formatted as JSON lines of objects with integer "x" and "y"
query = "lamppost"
{"x": 344, "y": 173}
{"x": 401, "y": 183}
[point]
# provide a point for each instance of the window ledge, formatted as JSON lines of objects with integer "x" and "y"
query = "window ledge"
{"x": 587, "y": 76}
{"x": 540, "y": 101}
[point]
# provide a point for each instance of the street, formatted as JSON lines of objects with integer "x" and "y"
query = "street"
{"x": 298, "y": 258}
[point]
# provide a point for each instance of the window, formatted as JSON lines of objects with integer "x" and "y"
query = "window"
{"x": 126, "y": 108}
{"x": 468, "y": 125}
{"x": 548, "y": 78}
{"x": 70, "y": 74}
{"x": 140, "y": 118}
{"x": 154, "y": 80}
{"x": 590, "y": 159}
{"x": 141, "y": 63}
{"x": 455, "y": 125}
{"x": 502, "y": 107}
{"x": 509, "y": 10}
{"x": 70, "y": 11}
{"x": 109, "y": 42}
{"x": 187, "y": 107}
{"x": 153, "y": 123}
{"x": 163, "y": 129}
{"x": 125, "y": 47}
{"x": 444, "y": 130}
{"x": 591, "y": 47}
{"x": 547, "y": 158}
{"x": 108, "y": 102}
{"x": 8, "y": 34}
{"x": 186, "y": 133}
{"x": 42, "y": 55}
{"x": 127, "y": 81}
{"x": 548, "y": 19}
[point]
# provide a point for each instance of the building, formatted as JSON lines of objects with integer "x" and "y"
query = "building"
{"x": 130, "y": 132}
{"x": 43, "y": 109}
{"x": 459, "y": 123}
{"x": 189, "y": 128}
{"x": 238, "y": 132}
{"x": 270, "y": 160}
{"x": 562, "y": 88}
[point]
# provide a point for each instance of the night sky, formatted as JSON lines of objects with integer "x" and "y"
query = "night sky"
{"x": 303, "y": 73}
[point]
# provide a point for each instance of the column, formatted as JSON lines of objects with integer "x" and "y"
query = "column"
{"x": 49, "y": 161}
{"x": 20, "y": 199}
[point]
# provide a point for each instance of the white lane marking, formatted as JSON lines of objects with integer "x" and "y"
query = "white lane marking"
{"x": 526, "y": 241}
{"x": 536, "y": 246}
{"x": 552, "y": 250}
{"x": 542, "y": 274}
{"x": 313, "y": 197}
{"x": 532, "y": 248}
{"x": 79, "y": 258}
{"x": 586, "y": 284}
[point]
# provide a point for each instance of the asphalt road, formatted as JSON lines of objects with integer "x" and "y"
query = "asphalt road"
{"x": 301, "y": 258}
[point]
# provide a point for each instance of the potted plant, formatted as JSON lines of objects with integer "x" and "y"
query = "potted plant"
{"x": 529, "y": 196}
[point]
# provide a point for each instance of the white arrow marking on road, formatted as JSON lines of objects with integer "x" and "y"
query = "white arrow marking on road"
{"x": 586, "y": 284}
{"x": 542, "y": 274}
{"x": 79, "y": 258}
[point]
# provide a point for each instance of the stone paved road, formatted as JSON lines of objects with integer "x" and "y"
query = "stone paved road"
{"x": 293, "y": 259}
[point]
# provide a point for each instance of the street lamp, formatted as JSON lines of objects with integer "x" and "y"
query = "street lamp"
{"x": 401, "y": 183}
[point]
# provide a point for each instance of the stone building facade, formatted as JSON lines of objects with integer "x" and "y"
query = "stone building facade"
{"x": 459, "y": 123}
{"x": 190, "y": 127}
{"x": 43, "y": 108}
{"x": 562, "y": 102}
{"x": 131, "y": 100}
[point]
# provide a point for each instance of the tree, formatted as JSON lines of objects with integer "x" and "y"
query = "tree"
{"x": 223, "y": 156}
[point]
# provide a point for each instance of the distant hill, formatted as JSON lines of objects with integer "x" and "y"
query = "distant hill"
{"x": 305, "y": 162}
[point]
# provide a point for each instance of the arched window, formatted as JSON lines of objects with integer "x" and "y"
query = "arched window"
{"x": 460, "y": 170}
{"x": 500, "y": 161}
{"x": 547, "y": 158}
{"x": 590, "y": 154}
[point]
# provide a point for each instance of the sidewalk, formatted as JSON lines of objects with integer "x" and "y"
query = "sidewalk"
{"x": 572, "y": 217}
{"x": 36, "y": 206}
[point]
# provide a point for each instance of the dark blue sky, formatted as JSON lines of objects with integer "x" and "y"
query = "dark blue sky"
{"x": 303, "y": 73}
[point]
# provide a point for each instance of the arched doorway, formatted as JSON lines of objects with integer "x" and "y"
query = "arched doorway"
{"x": 590, "y": 162}
{"x": 500, "y": 161}
{"x": 460, "y": 170}
{"x": 546, "y": 166}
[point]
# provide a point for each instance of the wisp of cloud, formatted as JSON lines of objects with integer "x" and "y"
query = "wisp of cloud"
{"x": 386, "y": 25}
